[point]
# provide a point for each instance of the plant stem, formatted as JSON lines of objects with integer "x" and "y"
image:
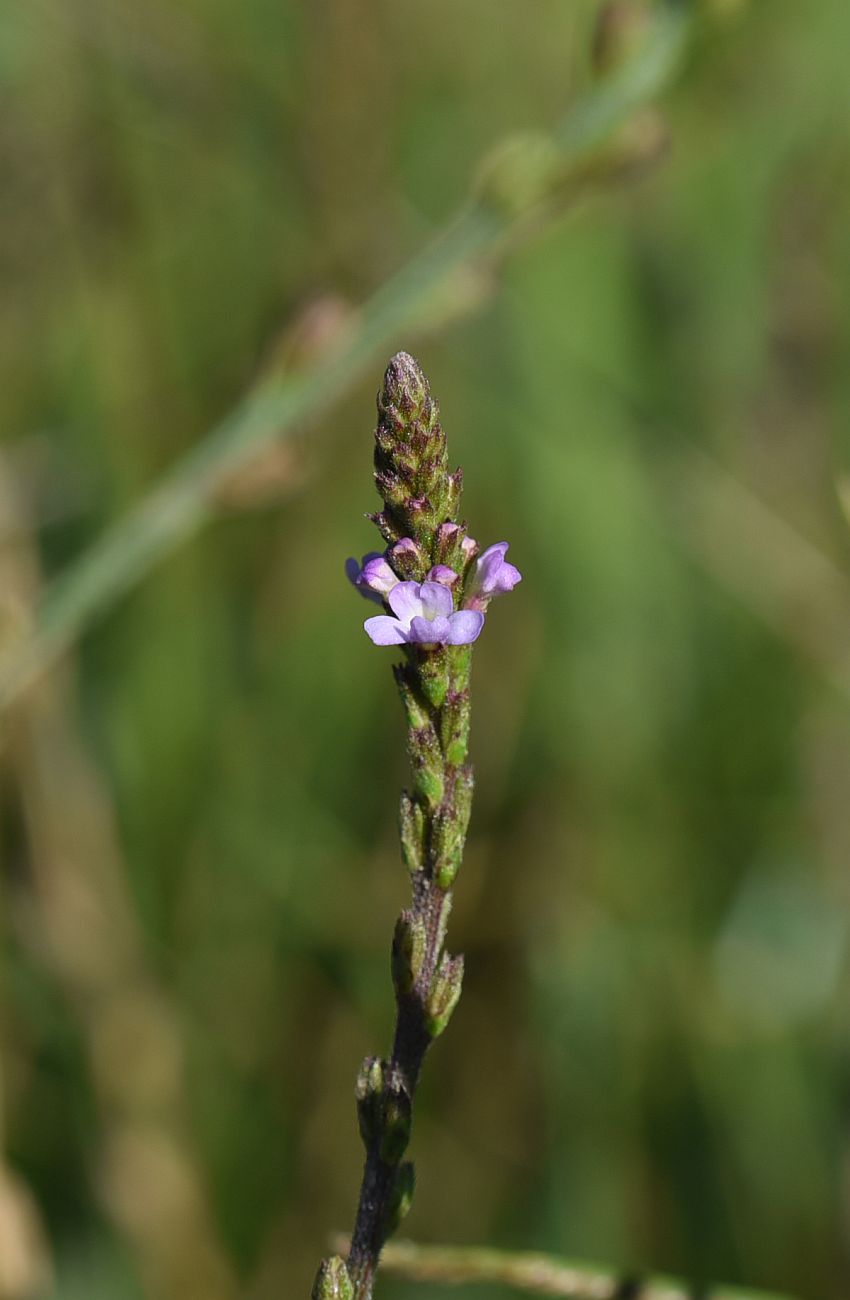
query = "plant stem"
{"x": 540, "y": 1274}
{"x": 427, "y": 980}
{"x": 422, "y": 294}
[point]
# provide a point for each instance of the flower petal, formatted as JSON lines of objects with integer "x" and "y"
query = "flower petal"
{"x": 488, "y": 566}
{"x": 352, "y": 569}
{"x": 464, "y": 627}
{"x": 405, "y": 602}
{"x": 443, "y": 574}
{"x": 507, "y": 578}
{"x": 384, "y": 630}
{"x": 376, "y": 574}
{"x": 436, "y": 600}
{"x": 427, "y": 631}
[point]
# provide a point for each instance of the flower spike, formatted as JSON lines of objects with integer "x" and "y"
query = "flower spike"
{"x": 434, "y": 589}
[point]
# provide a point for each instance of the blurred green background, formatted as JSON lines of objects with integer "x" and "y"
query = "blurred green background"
{"x": 649, "y": 1065}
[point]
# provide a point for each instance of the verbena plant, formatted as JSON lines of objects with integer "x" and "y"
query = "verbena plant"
{"x": 434, "y": 586}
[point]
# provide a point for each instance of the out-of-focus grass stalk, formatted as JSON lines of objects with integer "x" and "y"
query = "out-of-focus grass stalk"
{"x": 520, "y": 181}
{"x": 543, "y": 1275}
{"x": 791, "y": 584}
{"x": 148, "y": 1179}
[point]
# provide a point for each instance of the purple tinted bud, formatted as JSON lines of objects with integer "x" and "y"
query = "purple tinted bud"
{"x": 446, "y": 533}
{"x": 406, "y": 546}
{"x": 408, "y": 559}
{"x": 424, "y": 615}
{"x": 469, "y": 546}
{"x": 374, "y": 578}
{"x": 442, "y": 573}
{"x": 491, "y": 576}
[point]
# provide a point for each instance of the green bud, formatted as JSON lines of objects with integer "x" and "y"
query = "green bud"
{"x": 396, "y": 1124}
{"x": 369, "y": 1091}
{"x": 408, "y": 954}
{"x": 434, "y": 675}
{"x": 427, "y": 762}
{"x": 332, "y": 1281}
{"x": 411, "y": 821}
{"x": 444, "y": 994}
{"x": 521, "y": 173}
{"x": 400, "y": 1198}
{"x": 454, "y": 726}
{"x": 411, "y": 463}
{"x": 415, "y": 709}
{"x": 451, "y": 822}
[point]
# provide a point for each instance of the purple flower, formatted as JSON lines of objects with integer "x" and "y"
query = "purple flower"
{"x": 374, "y": 579}
{"x": 491, "y": 576}
{"x": 424, "y": 616}
{"x": 443, "y": 574}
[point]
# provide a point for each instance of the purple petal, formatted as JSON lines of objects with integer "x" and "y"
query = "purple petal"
{"x": 507, "y": 578}
{"x": 469, "y": 547}
{"x": 464, "y": 627}
{"x": 377, "y": 575}
{"x": 426, "y": 631}
{"x": 385, "y": 630}
{"x": 352, "y": 569}
{"x": 488, "y": 566}
{"x": 405, "y": 602}
{"x": 443, "y": 574}
{"x": 436, "y": 600}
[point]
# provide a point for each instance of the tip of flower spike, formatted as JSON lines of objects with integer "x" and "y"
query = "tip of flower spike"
{"x": 405, "y": 385}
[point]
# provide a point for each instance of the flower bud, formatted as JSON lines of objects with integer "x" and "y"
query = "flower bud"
{"x": 426, "y": 759}
{"x": 408, "y": 953}
{"x": 332, "y": 1281}
{"x": 369, "y": 1094}
{"x": 400, "y": 1198}
{"x": 451, "y": 822}
{"x": 396, "y": 1124}
{"x": 411, "y": 461}
{"x": 416, "y": 714}
{"x": 444, "y": 994}
{"x": 411, "y": 820}
{"x": 454, "y": 726}
{"x": 408, "y": 559}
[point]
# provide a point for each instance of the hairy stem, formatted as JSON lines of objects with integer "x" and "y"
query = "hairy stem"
{"x": 427, "y": 980}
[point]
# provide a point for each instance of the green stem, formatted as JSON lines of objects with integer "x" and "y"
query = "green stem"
{"x": 434, "y": 686}
{"x": 544, "y": 1275}
{"x": 423, "y": 292}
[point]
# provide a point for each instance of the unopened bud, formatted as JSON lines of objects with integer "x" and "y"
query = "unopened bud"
{"x": 408, "y": 559}
{"x": 333, "y": 1281}
{"x": 444, "y": 994}
{"x": 451, "y": 822}
{"x": 369, "y": 1093}
{"x": 411, "y": 819}
{"x": 400, "y": 1198}
{"x": 396, "y": 1124}
{"x": 521, "y": 173}
{"x": 426, "y": 759}
{"x": 408, "y": 951}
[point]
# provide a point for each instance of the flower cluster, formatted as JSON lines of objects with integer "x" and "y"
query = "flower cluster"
{"x": 431, "y": 581}
{"x": 424, "y": 613}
